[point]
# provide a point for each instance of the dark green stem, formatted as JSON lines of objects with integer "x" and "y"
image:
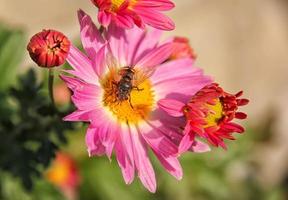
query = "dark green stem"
{"x": 50, "y": 87}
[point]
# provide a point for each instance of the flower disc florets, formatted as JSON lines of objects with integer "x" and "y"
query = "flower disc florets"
{"x": 49, "y": 48}
{"x": 137, "y": 103}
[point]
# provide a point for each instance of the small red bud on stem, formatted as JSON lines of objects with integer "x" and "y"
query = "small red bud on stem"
{"x": 49, "y": 48}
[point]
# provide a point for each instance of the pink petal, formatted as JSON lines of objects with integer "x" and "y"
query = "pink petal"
{"x": 78, "y": 115}
{"x": 172, "y": 107}
{"x": 82, "y": 65}
{"x": 107, "y": 136}
{"x": 180, "y": 88}
{"x": 99, "y": 117}
{"x": 136, "y": 36}
{"x": 104, "y": 18}
{"x": 186, "y": 143}
{"x": 85, "y": 96}
{"x": 157, "y": 140}
{"x": 156, "y": 19}
{"x": 85, "y": 102}
{"x": 171, "y": 164}
{"x": 142, "y": 162}
{"x": 93, "y": 143}
{"x": 117, "y": 44}
{"x": 137, "y": 42}
{"x": 174, "y": 69}
{"x": 168, "y": 125}
{"x": 161, "y": 5}
{"x": 72, "y": 83}
{"x": 98, "y": 62}
{"x": 163, "y": 147}
{"x": 123, "y": 20}
{"x": 199, "y": 147}
{"x": 124, "y": 155}
{"x": 146, "y": 42}
{"x": 156, "y": 56}
{"x": 91, "y": 38}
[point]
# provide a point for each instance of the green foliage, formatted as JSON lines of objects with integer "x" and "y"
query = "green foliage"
{"x": 12, "y": 190}
{"x": 12, "y": 46}
{"x": 31, "y": 130}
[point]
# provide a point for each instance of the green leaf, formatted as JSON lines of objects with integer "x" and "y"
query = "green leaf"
{"x": 12, "y": 48}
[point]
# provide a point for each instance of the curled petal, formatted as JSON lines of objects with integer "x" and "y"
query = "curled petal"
{"x": 172, "y": 107}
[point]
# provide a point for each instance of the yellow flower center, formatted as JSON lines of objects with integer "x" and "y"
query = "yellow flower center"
{"x": 129, "y": 105}
{"x": 115, "y": 4}
{"x": 215, "y": 114}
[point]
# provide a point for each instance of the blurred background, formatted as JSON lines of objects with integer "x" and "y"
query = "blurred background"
{"x": 242, "y": 43}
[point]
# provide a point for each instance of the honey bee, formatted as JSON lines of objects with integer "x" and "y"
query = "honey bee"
{"x": 127, "y": 79}
{"x": 125, "y": 85}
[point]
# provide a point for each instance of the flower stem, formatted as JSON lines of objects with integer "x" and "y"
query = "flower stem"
{"x": 50, "y": 87}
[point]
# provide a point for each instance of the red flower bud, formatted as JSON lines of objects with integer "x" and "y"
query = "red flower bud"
{"x": 49, "y": 48}
{"x": 182, "y": 49}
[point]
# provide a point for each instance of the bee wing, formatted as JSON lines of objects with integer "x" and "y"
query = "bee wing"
{"x": 113, "y": 67}
{"x": 142, "y": 74}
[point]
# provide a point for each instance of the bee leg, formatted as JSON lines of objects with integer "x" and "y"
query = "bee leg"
{"x": 138, "y": 89}
{"x": 130, "y": 102}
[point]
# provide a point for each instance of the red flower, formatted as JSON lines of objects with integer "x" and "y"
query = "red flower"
{"x": 64, "y": 174}
{"x": 209, "y": 115}
{"x": 126, "y": 13}
{"x": 182, "y": 49}
{"x": 48, "y": 48}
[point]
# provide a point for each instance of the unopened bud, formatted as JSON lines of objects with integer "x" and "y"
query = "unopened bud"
{"x": 182, "y": 49}
{"x": 49, "y": 48}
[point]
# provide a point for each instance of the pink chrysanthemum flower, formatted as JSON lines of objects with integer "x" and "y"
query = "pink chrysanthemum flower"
{"x": 126, "y": 13}
{"x": 116, "y": 88}
{"x": 209, "y": 115}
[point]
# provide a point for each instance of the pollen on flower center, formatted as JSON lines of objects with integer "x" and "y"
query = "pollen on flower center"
{"x": 135, "y": 107}
{"x": 116, "y": 4}
{"x": 214, "y": 115}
